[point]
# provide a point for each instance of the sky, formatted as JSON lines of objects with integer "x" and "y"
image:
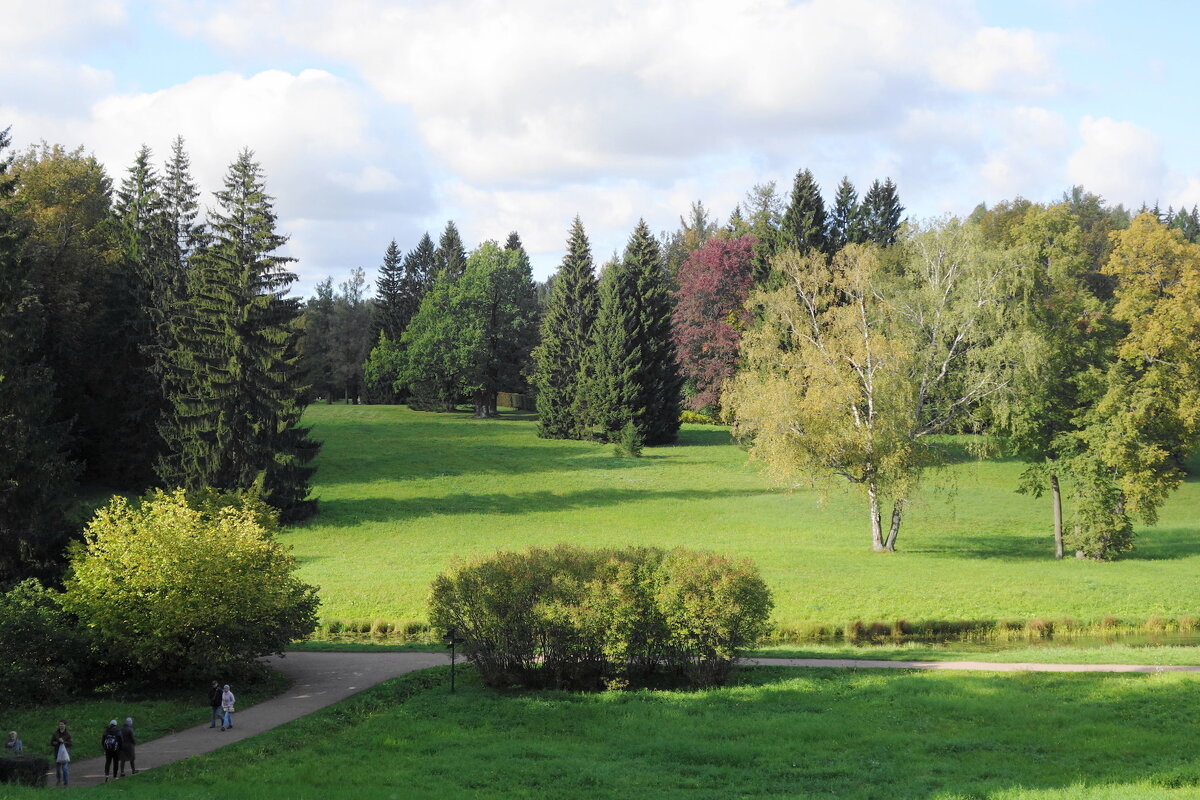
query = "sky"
{"x": 381, "y": 120}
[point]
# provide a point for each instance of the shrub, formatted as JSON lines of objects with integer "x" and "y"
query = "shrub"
{"x": 696, "y": 418}
{"x": 629, "y": 442}
{"x": 574, "y": 618}
{"x": 42, "y": 650}
{"x": 24, "y": 770}
{"x": 179, "y": 589}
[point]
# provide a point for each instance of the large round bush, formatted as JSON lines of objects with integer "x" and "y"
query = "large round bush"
{"x": 575, "y": 618}
{"x": 180, "y": 589}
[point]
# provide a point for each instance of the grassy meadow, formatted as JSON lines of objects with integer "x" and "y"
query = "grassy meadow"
{"x": 773, "y": 733}
{"x": 404, "y": 493}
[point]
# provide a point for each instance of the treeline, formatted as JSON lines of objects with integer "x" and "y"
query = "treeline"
{"x": 841, "y": 342}
{"x": 140, "y": 344}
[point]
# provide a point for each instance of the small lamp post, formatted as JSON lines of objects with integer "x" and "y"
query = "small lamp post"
{"x": 451, "y": 639}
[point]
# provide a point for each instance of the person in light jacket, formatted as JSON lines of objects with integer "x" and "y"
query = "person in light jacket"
{"x": 227, "y": 701}
{"x": 60, "y": 740}
{"x": 13, "y": 745}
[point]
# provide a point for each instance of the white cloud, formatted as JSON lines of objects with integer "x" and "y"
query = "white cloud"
{"x": 537, "y": 92}
{"x": 1121, "y": 161}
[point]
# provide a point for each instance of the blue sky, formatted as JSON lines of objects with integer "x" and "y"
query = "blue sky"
{"x": 378, "y": 120}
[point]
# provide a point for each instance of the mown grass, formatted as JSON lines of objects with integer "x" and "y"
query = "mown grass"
{"x": 405, "y": 493}
{"x": 776, "y": 733}
{"x": 156, "y": 711}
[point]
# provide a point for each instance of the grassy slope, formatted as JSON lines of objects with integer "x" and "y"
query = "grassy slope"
{"x": 778, "y": 733}
{"x": 404, "y": 493}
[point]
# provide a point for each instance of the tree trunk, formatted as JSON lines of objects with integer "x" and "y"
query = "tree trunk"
{"x": 894, "y": 531}
{"x": 1056, "y": 501}
{"x": 876, "y": 526}
{"x": 485, "y": 405}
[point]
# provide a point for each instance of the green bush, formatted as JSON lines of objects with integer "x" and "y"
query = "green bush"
{"x": 179, "y": 589}
{"x": 24, "y": 770}
{"x": 42, "y": 650}
{"x": 591, "y": 619}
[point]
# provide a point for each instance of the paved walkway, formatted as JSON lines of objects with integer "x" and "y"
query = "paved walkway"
{"x": 322, "y": 679}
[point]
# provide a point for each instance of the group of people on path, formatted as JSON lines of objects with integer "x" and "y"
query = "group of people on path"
{"x": 221, "y": 699}
{"x": 118, "y": 741}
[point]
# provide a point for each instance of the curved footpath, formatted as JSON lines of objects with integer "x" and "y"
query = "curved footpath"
{"x": 322, "y": 679}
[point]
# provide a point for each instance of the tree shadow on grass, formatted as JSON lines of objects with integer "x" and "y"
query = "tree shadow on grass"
{"x": 384, "y": 509}
{"x": 1164, "y": 544}
{"x": 917, "y": 735}
{"x": 1004, "y": 547}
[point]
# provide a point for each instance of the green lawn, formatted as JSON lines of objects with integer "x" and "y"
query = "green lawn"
{"x": 404, "y": 493}
{"x": 775, "y": 733}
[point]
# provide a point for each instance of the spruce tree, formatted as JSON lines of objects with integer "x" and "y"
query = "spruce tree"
{"x": 636, "y": 376}
{"x": 804, "y": 221}
{"x": 235, "y": 421}
{"x": 389, "y": 294}
{"x": 880, "y": 214}
{"x": 844, "y": 225}
{"x": 450, "y": 257}
{"x": 420, "y": 266}
{"x": 35, "y": 477}
{"x": 566, "y": 336}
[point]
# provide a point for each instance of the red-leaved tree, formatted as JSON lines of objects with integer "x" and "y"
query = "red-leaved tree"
{"x": 710, "y": 315}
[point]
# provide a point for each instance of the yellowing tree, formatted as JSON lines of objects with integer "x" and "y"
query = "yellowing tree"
{"x": 1147, "y": 421}
{"x": 183, "y": 588}
{"x": 855, "y": 363}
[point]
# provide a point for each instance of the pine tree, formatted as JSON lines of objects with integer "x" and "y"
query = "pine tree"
{"x": 636, "y": 376}
{"x": 844, "y": 225}
{"x": 235, "y": 421}
{"x": 566, "y": 334}
{"x": 804, "y": 221}
{"x": 140, "y": 296}
{"x": 180, "y": 209}
{"x": 35, "y": 477}
{"x": 880, "y": 214}
{"x": 389, "y": 294}
{"x": 420, "y": 266}
{"x": 450, "y": 258}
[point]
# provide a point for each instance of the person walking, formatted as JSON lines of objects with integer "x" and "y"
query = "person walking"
{"x": 128, "y": 747}
{"x": 214, "y": 700}
{"x": 13, "y": 744}
{"x": 60, "y": 748}
{"x": 110, "y": 743}
{"x": 227, "y": 700}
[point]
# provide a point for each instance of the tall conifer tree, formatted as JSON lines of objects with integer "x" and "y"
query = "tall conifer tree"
{"x": 389, "y": 294}
{"x": 636, "y": 378}
{"x": 139, "y": 299}
{"x": 844, "y": 224}
{"x": 804, "y": 224}
{"x": 235, "y": 422}
{"x": 451, "y": 257}
{"x": 566, "y": 336}
{"x": 880, "y": 213}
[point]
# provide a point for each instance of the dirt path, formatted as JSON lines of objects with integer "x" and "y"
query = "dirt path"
{"x": 322, "y": 679}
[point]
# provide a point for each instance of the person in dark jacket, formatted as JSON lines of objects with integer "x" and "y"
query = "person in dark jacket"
{"x": 214, "y": 700}
{"x": 61, "y": 738}
{"x": 110, "y": 743}
{"x": 128, "y": 747}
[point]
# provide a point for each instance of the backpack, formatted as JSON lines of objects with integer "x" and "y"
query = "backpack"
{"x": 111, "y": 742}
